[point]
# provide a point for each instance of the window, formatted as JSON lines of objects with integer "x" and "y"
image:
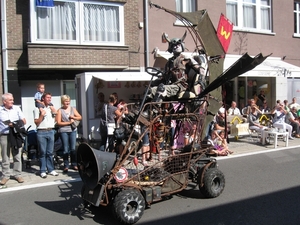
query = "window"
{"x": 69, "y": 89}
{"x": 297, "y": 18}
{"x": 185, "y": 6}
{"x": 250, "y": 14}
{"x": 78, "y": 22}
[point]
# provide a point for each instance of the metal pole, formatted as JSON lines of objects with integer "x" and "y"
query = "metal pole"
{"x": 146, "y": 36}
{"x": 4, "y": 45}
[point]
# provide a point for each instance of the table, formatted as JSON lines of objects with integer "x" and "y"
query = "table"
{"x": 265, "y": 133}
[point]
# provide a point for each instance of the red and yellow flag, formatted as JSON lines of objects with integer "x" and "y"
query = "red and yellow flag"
{"x": 224, "y": 32}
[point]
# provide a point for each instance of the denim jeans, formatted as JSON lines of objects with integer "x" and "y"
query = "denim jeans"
{"x": 45, "y": 141}
{"x": 145, "y": 138}
{"x": 68, "y": 140}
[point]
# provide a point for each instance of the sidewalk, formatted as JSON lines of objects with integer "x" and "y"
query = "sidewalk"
{"x": 245, "y": 144}
{"x": 241, "y": 146}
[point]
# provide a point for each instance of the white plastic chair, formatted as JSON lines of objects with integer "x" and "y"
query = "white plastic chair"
{"x": 244, "y": 110}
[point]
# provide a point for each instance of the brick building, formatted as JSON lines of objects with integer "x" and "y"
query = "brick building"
{"x": 52, "y": 45}
{"x": 32, "y": 55}
{"x": 260, "y": 26}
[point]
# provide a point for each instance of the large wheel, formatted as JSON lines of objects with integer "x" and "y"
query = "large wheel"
{"x": 129, "y": 206}
{"x": 213, "y": 183}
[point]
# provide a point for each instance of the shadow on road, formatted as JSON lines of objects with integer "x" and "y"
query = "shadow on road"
{"x": 280, "y": 207}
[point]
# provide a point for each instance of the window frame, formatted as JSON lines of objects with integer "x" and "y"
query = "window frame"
{"x": 258, "y": 23}
{"x": 184, "y": 9}
{"x": 297, "y": 19}
{"x": 79, "y": 25}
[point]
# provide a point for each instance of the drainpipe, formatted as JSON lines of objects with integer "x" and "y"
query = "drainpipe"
{"x": 4, "y": 45}
{"x": 146, "y": 40}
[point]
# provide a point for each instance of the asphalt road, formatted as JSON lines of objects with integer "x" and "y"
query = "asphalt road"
{"x": 260, "y": 189}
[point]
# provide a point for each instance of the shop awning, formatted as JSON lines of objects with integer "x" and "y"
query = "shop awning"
{"x": 271, "y": 67}
{"x": 122, "y": 76}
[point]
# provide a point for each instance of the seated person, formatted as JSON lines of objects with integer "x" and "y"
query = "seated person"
{"x": 286, "y": 105}
{"x": 278, "y": 102}
{"x": 233, "y": 110}
{"x": 291, "y": 120}
{"x": 219, "y": 120}
{"x": 294, "y": 103}
{"x": 217, "y": 142}
{"x": 191, "y": 135}
{"x": 248, "y": 107}
{"x": 279, "y": 120}
{"x": 254, "y": 120}
{"x": 296, "y": 113}
{"x": 224, "y": 144}
{"x": 265, "y": 108}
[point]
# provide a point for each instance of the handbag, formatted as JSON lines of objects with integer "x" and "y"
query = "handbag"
{"x": 111, "y": 128}
{"x": 75, "y": 124}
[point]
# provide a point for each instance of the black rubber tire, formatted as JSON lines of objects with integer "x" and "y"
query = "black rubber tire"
{"x": 129, "y": 206}
{"x": 213, "y": 183}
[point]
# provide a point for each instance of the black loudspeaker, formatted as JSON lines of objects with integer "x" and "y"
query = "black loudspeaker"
{"x": 93, "y": 164}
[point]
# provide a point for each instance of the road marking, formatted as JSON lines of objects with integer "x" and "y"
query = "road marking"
{"x": 256, "y": 152}
{"x": 24, "y": 187}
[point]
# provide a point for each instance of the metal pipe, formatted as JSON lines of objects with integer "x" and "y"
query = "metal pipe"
{"x": 146, "y": 36}
{"x": 4, "y": 45}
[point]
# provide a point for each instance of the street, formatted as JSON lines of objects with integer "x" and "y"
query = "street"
{"x": 260, "y": 189}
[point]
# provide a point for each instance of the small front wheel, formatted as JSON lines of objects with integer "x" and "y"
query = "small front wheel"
{"x": 213, "y": 183}
{"x": 129, "y": 206}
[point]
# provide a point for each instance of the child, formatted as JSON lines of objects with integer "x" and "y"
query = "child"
{"x": 224, "y": 142}
{"x": 220, "y": 147}
{"x": 191, "y": 135}
{"x": 38, "y": 96}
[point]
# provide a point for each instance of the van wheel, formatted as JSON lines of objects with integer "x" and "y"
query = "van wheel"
{"x": 129, "y": 206}
{"x": 213, "y": 183}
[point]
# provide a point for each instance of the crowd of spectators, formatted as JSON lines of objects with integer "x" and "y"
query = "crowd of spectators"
{"x": 283, "y": 115}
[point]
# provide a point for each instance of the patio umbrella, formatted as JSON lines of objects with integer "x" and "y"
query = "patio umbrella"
{"x": 264, "y": 86}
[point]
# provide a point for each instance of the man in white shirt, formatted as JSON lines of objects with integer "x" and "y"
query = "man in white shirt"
{"x": 294, "y": 104}
{"x": 45, "y": 121}
{"x": 279, "y": 120}
{"x": 10, "y": 114}
{"x": 233, "y": 110}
